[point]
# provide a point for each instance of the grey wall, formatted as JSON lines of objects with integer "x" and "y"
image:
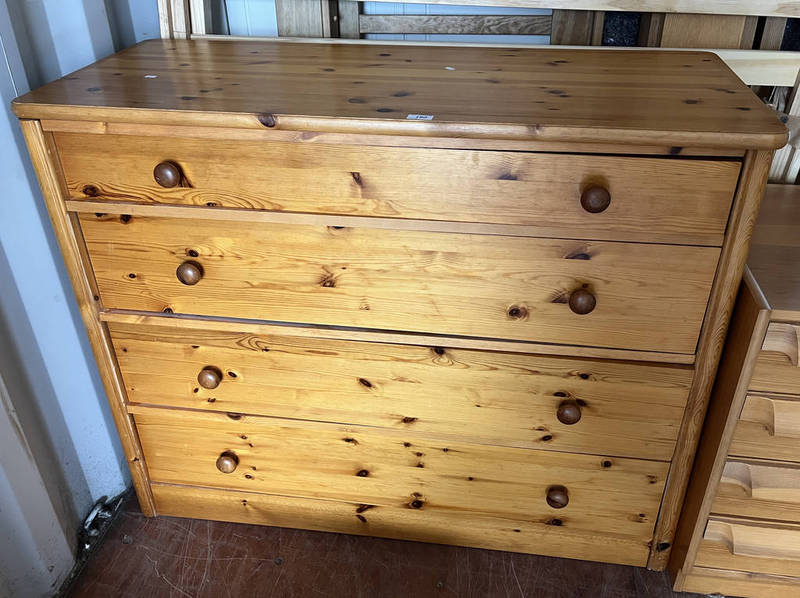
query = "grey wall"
{"x": 53, "y": 389}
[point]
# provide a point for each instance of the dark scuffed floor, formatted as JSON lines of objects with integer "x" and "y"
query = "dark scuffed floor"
{"x": 183, "y": 558}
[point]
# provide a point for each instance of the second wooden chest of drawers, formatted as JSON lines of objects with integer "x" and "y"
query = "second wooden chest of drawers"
{"x": 740, "y": 531}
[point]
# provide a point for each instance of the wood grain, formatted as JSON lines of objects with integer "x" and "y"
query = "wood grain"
{"x": 179, "y": 322}
{"x": 440, "y": 526}
{"x": 752, "y": 546}
{"x": 742, "y": 345}
{"x": 300, "y": 18}
{"x": 759, "y": 489}
{"x": 386, "y": 468}
{"x": 778, "y": 365}
{"x": 707, "y": 31}
{"x": 73, "y": 250}
{"x": 769, "y": 428}
{"x": 541, "y": 190}
{"x": 266, "y": 135}
{"x": 453, "y": 394}
{"x": 651, "y": 297}
{"x": 575, "y": 27}
{"x": 309, "y": 88}
{"x": 709, "y": 349}
{"x": 457, "y": 24}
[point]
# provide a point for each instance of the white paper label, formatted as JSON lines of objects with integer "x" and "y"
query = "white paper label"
{"x": 419, "y": 117}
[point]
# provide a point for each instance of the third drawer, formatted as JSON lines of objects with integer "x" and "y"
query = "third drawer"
{"x": 511, "y": 399}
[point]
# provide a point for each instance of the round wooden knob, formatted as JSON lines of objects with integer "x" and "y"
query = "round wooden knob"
{"x": 209, "y": 377}
{"x": 569, "y": 413}
{"x": 595, "y": 199}
{"x": 557, "y": 497}
{"x": 189, "y": 273}
{"x": 582, "y": 301}
{"x": 227, "y": 462}
{"x": 167, "y": 174}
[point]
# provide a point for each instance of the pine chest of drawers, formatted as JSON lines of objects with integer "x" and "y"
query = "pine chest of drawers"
{"x": 458, "y": 295}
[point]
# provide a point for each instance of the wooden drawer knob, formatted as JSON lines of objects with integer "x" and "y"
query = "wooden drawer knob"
{"x": 209, "y": 377}
{"x": 167, "y": 174}
{"x": 569, "y": 413}
{"x": 557, "y": 497}
{"x": 582, "y": 301}
{"x": 227, "y": 462}
{"x": 189, "y": 273}
{"x": 595, "y": 199}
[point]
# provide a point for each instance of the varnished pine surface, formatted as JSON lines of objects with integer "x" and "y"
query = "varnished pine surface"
{"x": 676, "y": 98}
{"x": 751, "y": 546}
{"x": 627, "y": 409}
{"x": 649, "y": 297}
{"x": 383, "y": 469}
{"x": 537, "y": 190}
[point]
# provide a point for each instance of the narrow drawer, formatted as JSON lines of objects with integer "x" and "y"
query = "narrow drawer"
{"x": 759, "y": 489}
{"x": 440, "y": 526}
{"x": 528, "y": 401}
{"x": 739, "y": 583}
{"x": 778, "y": 365}
{"x": 603, "y": 496}
{"x": 688, "y": 202}
{"x": 643, "y": 297}
{"x": 768, "y": 428}
{"x": 752, "y": 546}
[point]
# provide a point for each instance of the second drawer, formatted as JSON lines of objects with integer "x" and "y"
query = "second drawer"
{"x": 618, "y": 295}
{"x": 556, "y": 403}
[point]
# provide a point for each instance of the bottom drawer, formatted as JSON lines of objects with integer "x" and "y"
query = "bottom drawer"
{"x": 738, "y": 583}
{"x": 440, "y": 526}
{"x": 751, "y": 546}
{"x": 555, "y": 497}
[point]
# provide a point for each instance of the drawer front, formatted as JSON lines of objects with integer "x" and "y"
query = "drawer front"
{"x": 759, "y": 489}
{"x": 739, "y": 583}
{"x": 529, "y": 401}
{"x": 752, "y": 546}
{"x": 688, "y": 202}
{"x": 778, "y": 365}
{"x": 440, "y": 526}
{"x": 644, "y": 297}
{"x": 382, "y": 468}
{"x": 768, "y": 428}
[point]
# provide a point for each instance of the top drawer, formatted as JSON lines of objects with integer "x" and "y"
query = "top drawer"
{"x": 651, "y": 199}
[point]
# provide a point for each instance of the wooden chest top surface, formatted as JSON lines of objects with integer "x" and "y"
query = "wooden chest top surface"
{"x": 627, "y": 96}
